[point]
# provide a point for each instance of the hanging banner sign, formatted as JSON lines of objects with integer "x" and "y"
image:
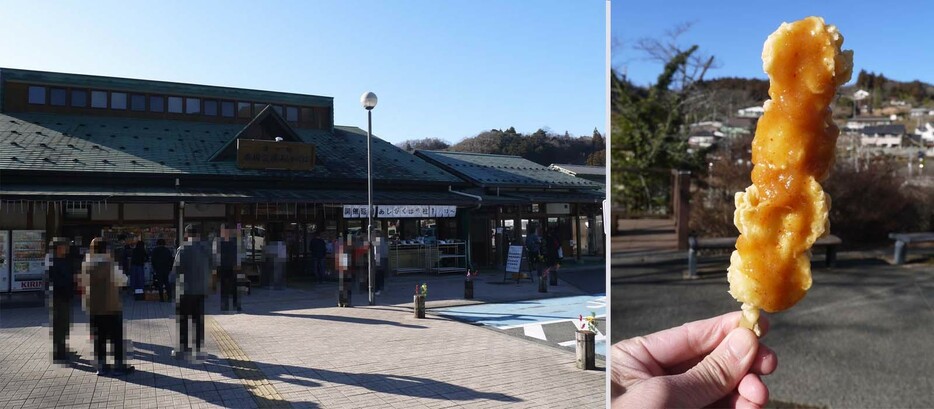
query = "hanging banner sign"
{"x": 355, "y": 211}
{"x": 401, "y": 211}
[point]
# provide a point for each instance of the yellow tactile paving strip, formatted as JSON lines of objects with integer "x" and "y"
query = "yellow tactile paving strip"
{"x": 264, "y": 393}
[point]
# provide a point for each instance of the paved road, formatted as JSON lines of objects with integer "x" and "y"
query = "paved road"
{"x": 861, "y": 338}
{"x": 287, "y": 350}
{"x": 552, "y": 321}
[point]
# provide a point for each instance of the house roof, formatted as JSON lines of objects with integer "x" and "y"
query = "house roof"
{"x": 106, "y": 145}
{"x": 488, "y": 170}
{"x": 897, "y": 129}
{"x": 149, "y": 86}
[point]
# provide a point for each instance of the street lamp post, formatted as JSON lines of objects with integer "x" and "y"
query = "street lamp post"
{"x": 368, "y": 100}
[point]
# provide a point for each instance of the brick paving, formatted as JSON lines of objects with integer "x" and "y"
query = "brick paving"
{"x": 292, "y": 348}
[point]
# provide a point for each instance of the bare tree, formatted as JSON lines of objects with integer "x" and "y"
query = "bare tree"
{"x": 663, "y": 49}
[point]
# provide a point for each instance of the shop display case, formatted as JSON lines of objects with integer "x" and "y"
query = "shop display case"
{"x": 409, "y": 258}
{"x": 449, "y": 256}
{"x": 28, "y": 260}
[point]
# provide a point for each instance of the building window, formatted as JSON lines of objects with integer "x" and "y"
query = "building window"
{"x": 210, "y": 107}
{"x": 98, "y": 99}
{"x": 138, "y": 102}
{"x": 36, "y": 95}
{"x": 227, "y": 109}
{"x": 175, "y": 105}
{"x": 308, "y": 117}
{"x": 243, "y": 110}
{"x": 58, "y": 97}
{"x": 258, "y": 107}
{"x": 291, "y": 114}
{"x": 192, "y": 105}
{"x": 118, "y": 100}
{"x": 79, "y": 98}
{"x": 156, "y": 103}
{"x": 278, "y": 109}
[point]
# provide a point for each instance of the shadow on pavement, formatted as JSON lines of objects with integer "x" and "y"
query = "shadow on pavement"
{"x": 345, "y": 319}
{"x": 235, "y": 394}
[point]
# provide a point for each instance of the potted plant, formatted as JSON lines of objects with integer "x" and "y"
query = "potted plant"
{"x": 468, "y": 283}
{"x": 586, "y": 336}
{"x": 421, "y": 292}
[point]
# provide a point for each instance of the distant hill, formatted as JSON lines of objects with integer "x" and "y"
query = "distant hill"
{"x": 541, "y": 146}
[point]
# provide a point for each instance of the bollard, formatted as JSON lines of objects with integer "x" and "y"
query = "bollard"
{"x": 553, "y": 276}
{"x": 900, "y": 250}
{"x": 468, "y": 289}
{"x": 344, "y": 298}
{"x": 585, "y": 350}
{"x": 542, "y": 284}
{"x": 419, "y": 301}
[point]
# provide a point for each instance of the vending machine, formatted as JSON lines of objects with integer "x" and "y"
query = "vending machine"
{"x": 27, "y": 260}
{"x": 4, "y": 261}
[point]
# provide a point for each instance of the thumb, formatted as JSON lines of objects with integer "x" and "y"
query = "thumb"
{"x": 718, "y": 374}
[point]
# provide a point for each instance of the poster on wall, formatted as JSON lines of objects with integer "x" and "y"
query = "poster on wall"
{"x": 28, "y": 260}
{"x": 4, "y": 261}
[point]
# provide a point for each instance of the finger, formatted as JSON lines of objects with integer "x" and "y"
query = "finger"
{"x": 743, "y": 403}
{"x": 734, "y": 401}
{"x": 766, "y": 361}
{"x": 719, "y": 373}
{"x": 753, "y": 389}
{"x": 687, "y": 342}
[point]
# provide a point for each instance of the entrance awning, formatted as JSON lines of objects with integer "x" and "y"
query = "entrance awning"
{"x": 217, "y": 195}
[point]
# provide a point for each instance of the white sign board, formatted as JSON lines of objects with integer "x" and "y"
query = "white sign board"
{"x": 514, "y": 259}
{"x": 401, "y": 211}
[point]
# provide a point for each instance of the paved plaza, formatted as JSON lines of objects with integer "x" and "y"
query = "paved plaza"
{"x": 861, "y": 338}
{"x": 293, "y": 348}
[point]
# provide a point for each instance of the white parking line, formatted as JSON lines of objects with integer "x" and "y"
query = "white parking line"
{"x": 573, "y": 321}
{"x": 534, "y": 331}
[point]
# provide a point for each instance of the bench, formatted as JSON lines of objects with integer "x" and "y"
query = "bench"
{"x": 695, "y": 244}
{"x": 902, "y": 240}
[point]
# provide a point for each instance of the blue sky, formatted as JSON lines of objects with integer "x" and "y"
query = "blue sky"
{"x": 894, "y": 38}
{"x": 444, "y": 69}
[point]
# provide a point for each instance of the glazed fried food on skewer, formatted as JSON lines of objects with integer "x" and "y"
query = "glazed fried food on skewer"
{"x": 784, "y": 211}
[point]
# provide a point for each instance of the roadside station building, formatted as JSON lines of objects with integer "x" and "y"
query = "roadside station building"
{"x": 515, "y": 192}
{"x": 83, "y": 156}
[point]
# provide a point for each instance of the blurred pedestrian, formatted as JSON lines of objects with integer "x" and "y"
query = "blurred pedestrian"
{"x": 552, "y": 252}
{"x": 319, "y": 251}
{"x": 193, "y": 265}
{"x": 227, "y": 256}
{"x": 162, "y": 260}
{"x": 102, "y": 279}
{"x": 138, "y": 259}
{"x": 61, "y": 279}
{"x": 533, "y": 248}
{"x": 382, "y": 259}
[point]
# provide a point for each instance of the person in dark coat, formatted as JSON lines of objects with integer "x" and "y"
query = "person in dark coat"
{"x": 162, "y": 260}
{"x": 193, "y": 266}
{"x": 138, "y": 259}
{"x": 319, "y": 251}
{"x": 228, "y": 266}
{"x": 551, "y": 246}
{"x": 61, "y": 278}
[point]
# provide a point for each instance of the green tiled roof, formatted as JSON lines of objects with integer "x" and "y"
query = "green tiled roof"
{"x": 503, "y": 170}
{"x": 87, "y": 145}
{"x": 161, "y": 87}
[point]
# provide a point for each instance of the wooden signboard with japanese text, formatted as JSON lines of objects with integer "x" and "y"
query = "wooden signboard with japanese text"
{"x": 257, "y": 154}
